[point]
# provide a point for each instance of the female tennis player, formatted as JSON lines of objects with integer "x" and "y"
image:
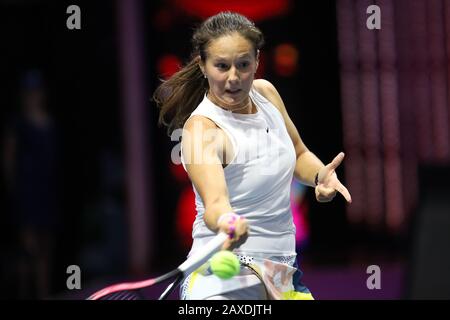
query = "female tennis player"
{"x": 241, "y": 151}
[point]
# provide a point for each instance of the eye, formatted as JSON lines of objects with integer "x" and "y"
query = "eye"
{"x": 244, "y": 64}
{"x": 222, "y": 65}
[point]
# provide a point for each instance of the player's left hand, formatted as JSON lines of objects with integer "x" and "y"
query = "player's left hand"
{"x": 329, "y": 184}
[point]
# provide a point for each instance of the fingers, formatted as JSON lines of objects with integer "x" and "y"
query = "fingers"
{"x": 325, "y": 191}
{"x": 343, "y": 190}
{"x": 237, "y": 229}
{"x": 324, "y": 194}
{"x": 241, "y": 227}
{"x": 236, "y": 243}
{"x": 336, "y": 161}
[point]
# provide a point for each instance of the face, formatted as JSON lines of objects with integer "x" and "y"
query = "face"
{"x": 230, "y": 67}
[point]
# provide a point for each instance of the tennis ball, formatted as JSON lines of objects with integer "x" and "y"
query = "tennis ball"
{"x": 225, "y": 264}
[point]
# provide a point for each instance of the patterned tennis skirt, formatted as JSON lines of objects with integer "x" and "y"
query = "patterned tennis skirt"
{"x": 279, "y": 276}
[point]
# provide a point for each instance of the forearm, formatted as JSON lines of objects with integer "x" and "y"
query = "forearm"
{"x": 220, "y": 216}
{"x": 306, "y": 168}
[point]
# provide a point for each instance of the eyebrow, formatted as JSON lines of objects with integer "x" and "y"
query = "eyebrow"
{"x": 239, "y": 57}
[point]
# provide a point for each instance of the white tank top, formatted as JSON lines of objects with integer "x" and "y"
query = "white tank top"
{"x": 258, "y": 178}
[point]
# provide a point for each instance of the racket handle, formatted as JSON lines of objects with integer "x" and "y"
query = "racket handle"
{"x": 203, "y": 254}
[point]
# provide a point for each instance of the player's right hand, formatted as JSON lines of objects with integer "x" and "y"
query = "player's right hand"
{"x": 236, "y": 227}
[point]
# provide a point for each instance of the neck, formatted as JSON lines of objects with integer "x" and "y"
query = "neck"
{"x": 247, "y": 105}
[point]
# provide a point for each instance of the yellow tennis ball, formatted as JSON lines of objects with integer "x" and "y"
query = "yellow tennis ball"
{"x": 225, "y": 264}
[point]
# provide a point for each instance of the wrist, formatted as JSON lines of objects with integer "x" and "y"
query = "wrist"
{"x": 316, "y": 179}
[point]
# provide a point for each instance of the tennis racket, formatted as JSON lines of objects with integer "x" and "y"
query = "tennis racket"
{"x": 130, "y": 290}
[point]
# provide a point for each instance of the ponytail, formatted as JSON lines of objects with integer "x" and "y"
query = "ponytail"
{"x": 179, "y": 95}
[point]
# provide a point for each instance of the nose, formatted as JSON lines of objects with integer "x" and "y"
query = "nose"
{"x": 233, "y": 75}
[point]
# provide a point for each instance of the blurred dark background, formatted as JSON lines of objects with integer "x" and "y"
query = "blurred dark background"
{"x": 87, "y": 174}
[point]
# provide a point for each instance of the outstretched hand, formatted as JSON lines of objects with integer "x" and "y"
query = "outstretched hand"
{"x": 329, "y": 184}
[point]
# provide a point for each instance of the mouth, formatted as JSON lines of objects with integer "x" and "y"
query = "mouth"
{"x": 235, "y": 91}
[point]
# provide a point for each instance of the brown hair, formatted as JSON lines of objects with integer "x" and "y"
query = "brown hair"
{"x": 179, "y": 95}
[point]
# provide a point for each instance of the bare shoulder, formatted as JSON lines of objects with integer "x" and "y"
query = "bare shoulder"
{"x": 268, "y": 91}
{"x": 200, "y": 121}
{"x": 203, "y": 142}
{"x": 200, "y": 130}
{"x": 264, "y": 86}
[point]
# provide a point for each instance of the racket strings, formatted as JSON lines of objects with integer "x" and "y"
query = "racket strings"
{"x": 122, "y": 295}
{"x": 116, "y": 292}
{"x": 128, "y": 291}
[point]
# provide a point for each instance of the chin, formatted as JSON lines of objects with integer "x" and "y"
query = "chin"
{"x": 234, "y": 99}
{"x": 232, "y": 102}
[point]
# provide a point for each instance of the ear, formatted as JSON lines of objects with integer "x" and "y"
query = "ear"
{"x": 201, "y": 65}
{"x": 257, "y": 60}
